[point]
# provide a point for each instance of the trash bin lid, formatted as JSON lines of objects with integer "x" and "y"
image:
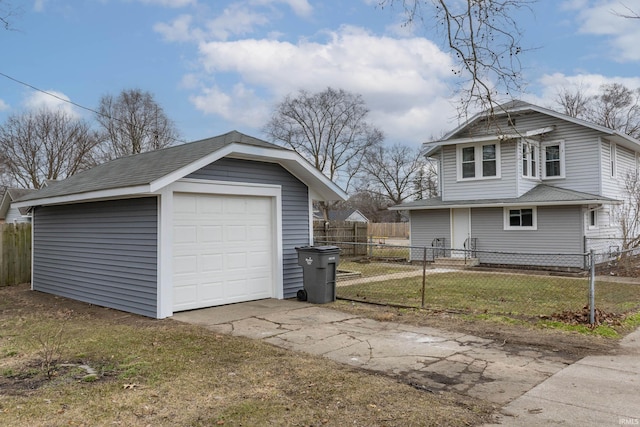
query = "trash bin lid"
{"x": 318, "y": 248}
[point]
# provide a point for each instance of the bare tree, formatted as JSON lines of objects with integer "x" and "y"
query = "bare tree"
{"x": 133, "y": 122}
{"x": 40, "y": 145}
{"x": 574, "y": 103}
{"x": 372, "y": 205}
{"x": 485, "y": 40}
{"x": 629, "y": 212}
{"x": 7, "y": 12}
{"x": 615, "y": 106}
{"x": 327, "y": 128}
{"x": 396, "y": 173}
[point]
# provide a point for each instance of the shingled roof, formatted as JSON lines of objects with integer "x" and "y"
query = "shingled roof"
{"x": 539, "y": 195}
{"x": 144, "y": 169}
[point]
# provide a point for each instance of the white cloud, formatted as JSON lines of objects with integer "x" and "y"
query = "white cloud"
{"x": 4, "y": 106}
{"x": 299, "y": 7}
{"x": 235, "y": 20}
{"x": 38, "y": 5}
{"x": 179, "y": 30}
{"x": 241, "y": 106}
{"x": 401, "y": 80}
{"x": 39, "y": 100}
{"x": 588, "y": 84}
{"x": 603, "y": 18}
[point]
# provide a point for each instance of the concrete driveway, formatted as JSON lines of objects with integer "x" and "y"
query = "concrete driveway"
{"x": 534, "y": 388}
{"x": 425, "y": 357}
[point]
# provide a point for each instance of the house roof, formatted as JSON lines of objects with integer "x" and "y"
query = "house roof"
{"x": 517, "y": 106}
{"x": 541, "y": 195}
{"x": 149, "y": 172}
{"x": 9, "y": 196}
{"x": 343, "y": 215}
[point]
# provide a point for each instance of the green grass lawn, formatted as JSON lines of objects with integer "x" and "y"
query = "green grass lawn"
{"x": 375, "y": 268}
{"x": 512, "y": 294}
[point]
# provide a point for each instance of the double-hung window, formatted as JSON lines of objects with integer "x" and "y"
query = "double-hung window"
{"x": 479, "y": 161}
{"x": 553, "y": 160}
{"x": 530, "y": 159}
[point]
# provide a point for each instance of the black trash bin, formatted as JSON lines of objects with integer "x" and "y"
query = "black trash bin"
{"x": 319, "y": 268}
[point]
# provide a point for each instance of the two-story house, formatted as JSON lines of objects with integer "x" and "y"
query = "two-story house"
{"x": 530, "y": 180}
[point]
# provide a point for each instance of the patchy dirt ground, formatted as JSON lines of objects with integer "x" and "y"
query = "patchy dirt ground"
{"x": 164, "y": 373}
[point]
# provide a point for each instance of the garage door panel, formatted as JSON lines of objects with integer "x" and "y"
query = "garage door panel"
{"x": 210, "y": 233}
{"x": 223, "y": 249}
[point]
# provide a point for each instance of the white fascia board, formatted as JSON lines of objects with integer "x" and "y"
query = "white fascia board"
{"x": 507, "y": 204}
{"x": 290, "y": 160}
{"x": 113, "y": 193}
{"x": 485, "y": 138}
{"x": 319, "y": 184}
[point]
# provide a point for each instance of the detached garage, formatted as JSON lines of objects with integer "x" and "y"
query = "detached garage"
{"x": 207, "y": 223}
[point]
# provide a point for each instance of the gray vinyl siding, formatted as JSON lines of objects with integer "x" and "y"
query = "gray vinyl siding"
{"x": 491, "y": 188}
{"x": 14, "y": 216}
{"x": 559, "y": 231}
{"x": 428, "y": 225}
{"x": 614, "y": 186}
{"x": 295, "y": 207}
{"x": 583, "y": 164}
{"x": 103, "y": 253}
{"x": 581, "y": 151}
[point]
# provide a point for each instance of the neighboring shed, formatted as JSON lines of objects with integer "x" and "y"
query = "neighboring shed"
{"x": 201, "y": 224}
{"x": 347, "y": 215}
{"x": 10, "y": 214}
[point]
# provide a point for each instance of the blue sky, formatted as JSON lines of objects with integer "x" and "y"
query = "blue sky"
{"x": 215, "y": 66}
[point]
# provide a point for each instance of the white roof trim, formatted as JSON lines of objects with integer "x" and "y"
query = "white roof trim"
{"x": 548, "y": 112}
{"x": 433, "y": 146}
{"x": 506, "y": 204}
{"x": 112, "y": 193}
{"x": 323, "y": 187}
{"x": 287, "y": 159}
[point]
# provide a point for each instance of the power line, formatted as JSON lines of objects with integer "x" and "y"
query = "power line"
{"x": 68, "y": 101}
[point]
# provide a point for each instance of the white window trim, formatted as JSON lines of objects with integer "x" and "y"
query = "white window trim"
{"x": 478, "y": 161}
{"x": 535, "y": 157}
{"x": 594, "y": 210}
{"x": 543, "y": 159}
{"x": 613, "y": 159}
{"x": 508, "y": 226}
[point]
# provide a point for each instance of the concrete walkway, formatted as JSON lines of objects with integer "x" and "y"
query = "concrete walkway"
{"x": 595, "y": 391}
{"x": 535, "y": 388}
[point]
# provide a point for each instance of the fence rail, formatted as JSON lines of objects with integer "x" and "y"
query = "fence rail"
{"x": 561, "y": 287}
{"x": 15, "y": 254}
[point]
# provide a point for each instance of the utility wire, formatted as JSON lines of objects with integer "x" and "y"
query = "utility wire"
{"x": 68, "y": 101}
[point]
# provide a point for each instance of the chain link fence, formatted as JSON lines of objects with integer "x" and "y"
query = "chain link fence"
{"x": 557, "y": 286}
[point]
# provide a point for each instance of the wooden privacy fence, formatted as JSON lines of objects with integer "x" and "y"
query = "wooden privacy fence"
{"x": 332, "y": 232}
{"x": 15, "y": 254}
{"x": 389, "y": 229}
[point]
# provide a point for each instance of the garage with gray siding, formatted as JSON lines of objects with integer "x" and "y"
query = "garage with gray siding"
{"x": 178, "y": 228}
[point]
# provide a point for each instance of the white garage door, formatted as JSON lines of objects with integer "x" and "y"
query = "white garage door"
{"x": 222, "y": 249}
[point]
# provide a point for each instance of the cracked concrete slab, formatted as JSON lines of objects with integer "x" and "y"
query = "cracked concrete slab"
{"x": 426, "y": 357}
{"x": 535, "y": 387}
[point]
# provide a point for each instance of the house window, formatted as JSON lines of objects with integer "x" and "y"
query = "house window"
{"x": 553, "y": 158}
{"x": 478, "y": 161}
{"x": 520, "y": 218}
{"x": 468, "y": 162}
{"x": 613, "y": 154}
{"x": 593, "y": 218}
{"x": 529, "y": 159}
